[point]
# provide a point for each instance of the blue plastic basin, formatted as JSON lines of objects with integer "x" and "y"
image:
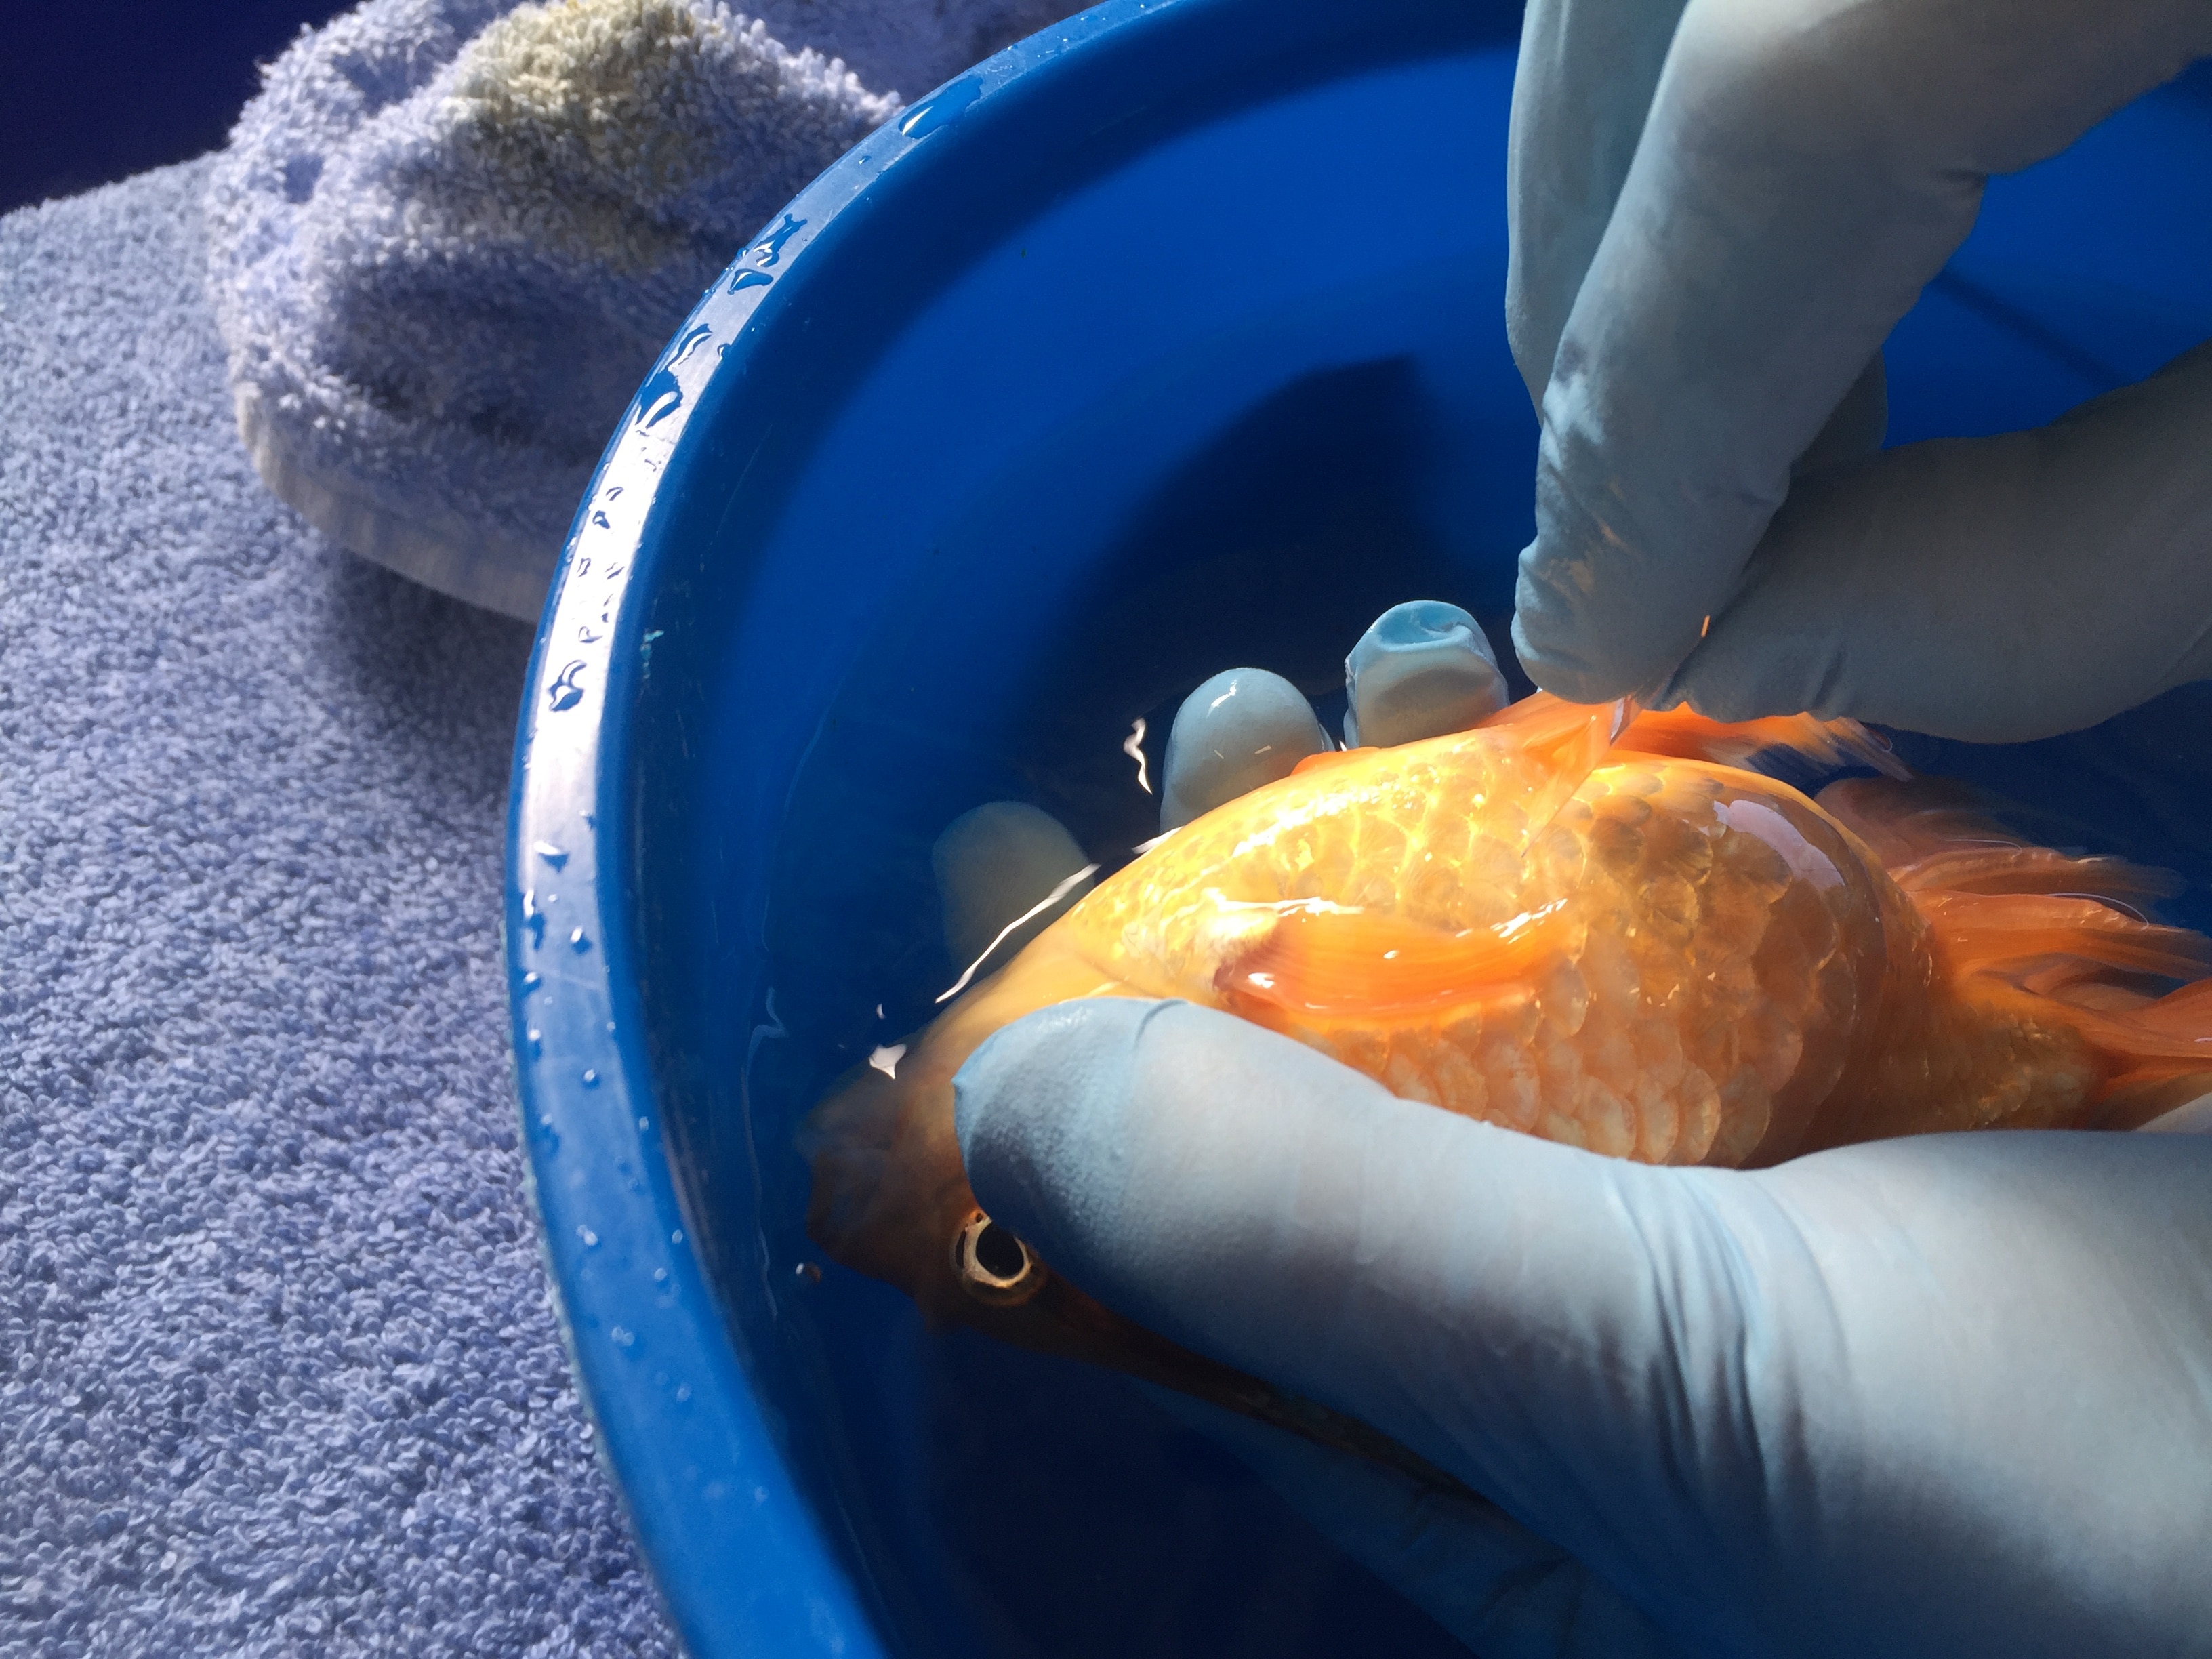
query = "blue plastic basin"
{"x": 1168, "y": 341}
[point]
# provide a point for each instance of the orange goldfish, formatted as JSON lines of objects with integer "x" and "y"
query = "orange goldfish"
{"x": 1577, "y": 923}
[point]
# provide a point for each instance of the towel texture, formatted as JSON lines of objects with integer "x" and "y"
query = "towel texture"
{"x": 450, "y": 236}
{"x": 278, "y": 1374}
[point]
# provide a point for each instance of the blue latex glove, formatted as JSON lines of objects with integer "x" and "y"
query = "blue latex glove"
{"x": 1421, "y": 669}
{"x": 1242, "y": 728}
{"x": 1946, "y": 1396}
{"x": 1719, "y": 211}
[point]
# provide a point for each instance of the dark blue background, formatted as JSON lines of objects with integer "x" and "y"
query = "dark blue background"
{"x": 99, "y": 90}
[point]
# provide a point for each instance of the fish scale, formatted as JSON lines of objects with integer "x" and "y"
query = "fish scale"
{"x": 1699, "y": 973}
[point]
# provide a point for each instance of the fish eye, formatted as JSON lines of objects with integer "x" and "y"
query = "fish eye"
{"x": 993, "y": 1265}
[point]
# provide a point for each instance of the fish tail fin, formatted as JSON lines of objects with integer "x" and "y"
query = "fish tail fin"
{"x": 2055, "y": 935}
{"x": 1934, "y": 836}
{"x": 2153, "y": 1080}
{"x": 1685, "y": 734}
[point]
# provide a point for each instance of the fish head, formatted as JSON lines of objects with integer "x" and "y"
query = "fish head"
{"x": 891, "y": 1197}
{"x": 891, "y": 1200}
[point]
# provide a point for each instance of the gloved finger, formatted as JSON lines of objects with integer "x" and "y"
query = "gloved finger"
{"x": 1422, "y": 669}
{"x": 1991, "y": 589}
{"x": 2194, "y": 1118}
{"x": 1242, "y": 728}
{"x": 1519, "y": 1313}
{"x": 1805, "y": 167}
{"x": 1580, "y": 88}
{"x": 1484, "y": 1578}
{"x": 1005, "y": 871}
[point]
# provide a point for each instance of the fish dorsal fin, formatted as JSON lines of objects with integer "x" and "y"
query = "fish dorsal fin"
{"x": 1685, "y": 734}
{"x": 1547, "y": 749}
{"x": 1320, "y": 961}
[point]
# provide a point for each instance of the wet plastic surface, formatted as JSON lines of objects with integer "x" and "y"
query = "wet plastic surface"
{"x": 1166, "y": 341}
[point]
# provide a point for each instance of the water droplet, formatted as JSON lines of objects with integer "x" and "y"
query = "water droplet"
{"x": 748, "y": 279}
{"x": 533, "y": 918}
{"x": 600, "y": 518}
{"x": 942, "y": 111}
{"x": 566, "y": 691}
{"x": 578, "y": 941}
{"x": 591, "y": 1239}
{"x": 644, "y": 1123}
{"x": 769, "y": 248}
{"x": 886, "y": 1059}
{"x": 690, "y": 342}
{"x": 683, "y": 1390}
{"x": 661, "y": 396}
{"x": 676, "y": 1237}
{"x": 591, "y": 1078}
{"x": 536, "y": 1040}
{"x": 531, "y": 981}
{"x": 660, "y": 1275}
{"x": 552, "y": 854}
{"x": 808, "y": 1273}
{"x": 624, "y": 1336}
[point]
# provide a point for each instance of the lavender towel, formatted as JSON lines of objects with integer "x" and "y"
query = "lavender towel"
{"x": 278, "y": 1372}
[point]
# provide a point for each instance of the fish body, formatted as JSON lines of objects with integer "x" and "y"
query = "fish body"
{"x": 1679, "y": 963}
{"x": 1583, "y": 927}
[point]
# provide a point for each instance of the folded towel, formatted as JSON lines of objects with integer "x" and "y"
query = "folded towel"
{"x": 449, "y": 237}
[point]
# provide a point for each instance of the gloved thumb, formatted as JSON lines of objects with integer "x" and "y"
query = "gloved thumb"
{"x": 1496, "y": 1586}
{"x": 1991, "y": 589}
{"x": 1516, "y": 1312}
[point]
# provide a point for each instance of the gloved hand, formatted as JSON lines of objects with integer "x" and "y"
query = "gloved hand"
{"x": 1944, "y": 1395}
{"x": 1719, "y": 211}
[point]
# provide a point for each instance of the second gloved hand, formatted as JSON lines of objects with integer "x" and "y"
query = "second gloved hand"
{"x": 1944, "y": 1395}
{"x": 1719, "y": 211}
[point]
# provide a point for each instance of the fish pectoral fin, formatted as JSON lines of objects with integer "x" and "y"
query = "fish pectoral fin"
{"x": 1360, "y": 964}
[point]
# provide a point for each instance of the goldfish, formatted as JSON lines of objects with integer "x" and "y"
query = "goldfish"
{"x": 1596, "y": 925}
